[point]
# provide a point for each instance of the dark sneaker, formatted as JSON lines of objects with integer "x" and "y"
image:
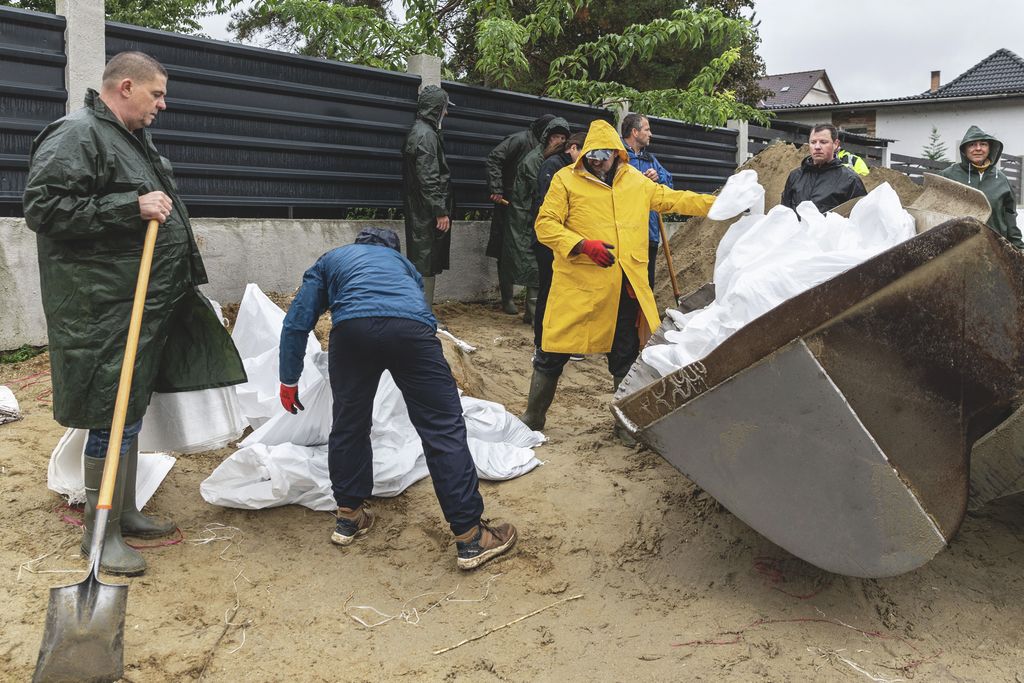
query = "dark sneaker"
{"x": 351, "y": 524}
{"x": 485, "y": 543}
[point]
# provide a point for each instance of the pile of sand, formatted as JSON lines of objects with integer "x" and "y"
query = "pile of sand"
{"x": 694, "y": 243}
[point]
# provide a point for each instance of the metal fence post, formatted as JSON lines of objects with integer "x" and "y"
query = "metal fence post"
{"x": 742, "y": 139}
{"x": 85, "y": 47}
{"x": 427, "y": 67}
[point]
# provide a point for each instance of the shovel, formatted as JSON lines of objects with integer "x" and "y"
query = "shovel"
{"x": 84, "y": 636}
{"x": 668, "y": 259}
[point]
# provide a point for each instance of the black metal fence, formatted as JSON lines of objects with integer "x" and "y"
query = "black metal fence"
{"x": 254, "y": 132}
{"x": 31, "y": 93}
{"x": 872, "y": 150}
{"x": 699, "y": 159}
{"x": 915, "y": 167}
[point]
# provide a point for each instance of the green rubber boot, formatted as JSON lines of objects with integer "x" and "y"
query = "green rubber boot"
{"x": 133, "y": 522}
{"x": 542, "y": 392}
{"x": 531, "y": 304}
{"x": 621, "y": 432}
{"x": 428, "y": 292}
{"x": 118, "y": 558}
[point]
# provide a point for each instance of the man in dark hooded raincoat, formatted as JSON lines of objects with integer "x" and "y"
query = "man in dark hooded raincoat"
{"x": 517, "y": 258}
{"x": 502, "y": 163}
{"x": 95, "y": 180}
{"x": 979, "y": 168}
{"x": 426, "y": 190}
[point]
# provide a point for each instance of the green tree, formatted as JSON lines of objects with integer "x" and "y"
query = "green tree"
{"x": 180, "y": 16}
{"x": 936, "y": 148}
{"x": 689, "y": 63}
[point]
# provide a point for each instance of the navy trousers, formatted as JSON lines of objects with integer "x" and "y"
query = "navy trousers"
{"x": 545, "y": 260}
{"x": 99, "y": 439}
{"x": 360, "y": 351}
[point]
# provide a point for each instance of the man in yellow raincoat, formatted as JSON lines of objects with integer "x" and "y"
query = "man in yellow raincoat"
{"x": 595, "y": 220}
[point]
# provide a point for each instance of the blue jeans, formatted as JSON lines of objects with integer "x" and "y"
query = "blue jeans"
{"x": 360, "y": 350}
{"x": 99, "y": 439}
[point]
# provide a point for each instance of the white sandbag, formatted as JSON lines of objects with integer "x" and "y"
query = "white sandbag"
{"x": 489, "y": 421}
{"x": 497, "y": 462}
{"x": 192, "y": 421}
{"x": 764, "y": 260}
{"x": 740, "y": 193}
{"x": 9, "y": 408}
{"x": 64, "y": 474}
{"x": 263, "y": 476}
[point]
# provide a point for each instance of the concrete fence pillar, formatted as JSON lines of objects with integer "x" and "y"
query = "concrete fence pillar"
{"x": 742, "y": 139}
{"x": 427, "y": 67}
{"x": 85, "y": 47}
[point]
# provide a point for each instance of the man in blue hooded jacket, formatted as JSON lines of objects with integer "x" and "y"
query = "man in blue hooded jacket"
{"x": 382, "y": 322}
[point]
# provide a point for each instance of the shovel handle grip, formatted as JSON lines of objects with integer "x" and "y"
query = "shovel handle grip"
{"x": 124, "y": 386}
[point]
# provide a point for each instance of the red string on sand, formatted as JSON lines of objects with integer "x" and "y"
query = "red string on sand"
{"x": 75, "y": 519}
{"x": 769, "y": 568}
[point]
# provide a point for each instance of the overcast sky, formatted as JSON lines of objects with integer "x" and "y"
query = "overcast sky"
{"x": 875, "y": 49}
{"x": 872, "y": 49}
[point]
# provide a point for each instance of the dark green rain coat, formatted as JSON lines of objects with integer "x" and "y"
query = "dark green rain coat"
{"x": 426, "y": 186}
{"x": 502, "y": 163}
{"x": 517, "y": 259}
{"x": 992, "y": 182}
{"x": 85, "y": 176}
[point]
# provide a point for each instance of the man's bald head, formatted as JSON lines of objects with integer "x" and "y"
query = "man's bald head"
{"x": 137, "y": 66}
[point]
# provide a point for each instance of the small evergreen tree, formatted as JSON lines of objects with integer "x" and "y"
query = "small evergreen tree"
{"x": 936, "y": 148}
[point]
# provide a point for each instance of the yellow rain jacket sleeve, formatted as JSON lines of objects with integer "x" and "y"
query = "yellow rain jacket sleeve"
{"x": 584, "y": 298}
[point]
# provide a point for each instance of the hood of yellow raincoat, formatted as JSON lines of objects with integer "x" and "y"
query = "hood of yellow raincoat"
{"x": 601, "y": 135}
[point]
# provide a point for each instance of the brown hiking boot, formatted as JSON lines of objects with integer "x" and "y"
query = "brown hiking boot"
{"x": 483, "y": 543}
{"x": 351, "y": 524}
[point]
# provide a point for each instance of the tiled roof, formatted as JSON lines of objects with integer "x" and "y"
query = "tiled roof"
{"x": 1001, "y": 73}
{"x": 789, "y": 89}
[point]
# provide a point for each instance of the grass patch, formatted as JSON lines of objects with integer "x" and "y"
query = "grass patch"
{"x": 22, "y": 354}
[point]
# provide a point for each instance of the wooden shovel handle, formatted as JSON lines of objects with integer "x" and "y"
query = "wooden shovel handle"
{"x": 124, "y": 387}
{"x": 668, "y": 259}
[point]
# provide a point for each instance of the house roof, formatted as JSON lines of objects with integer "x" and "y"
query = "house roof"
{"x": 790, "y": 89}
{"x": 1001, "y": 73}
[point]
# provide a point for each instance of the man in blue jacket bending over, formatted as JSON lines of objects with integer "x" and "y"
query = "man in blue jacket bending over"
{"x": 380, "y": 322}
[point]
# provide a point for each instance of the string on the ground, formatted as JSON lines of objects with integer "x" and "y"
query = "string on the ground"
{"x": 769, "y": 568}
{"x": 215, "y": 531}
{"x": 412, "y": 615}
{"x": 77, "y": 519}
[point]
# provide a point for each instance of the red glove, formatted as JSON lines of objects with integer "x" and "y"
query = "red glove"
{"x": 598, "y": 252}
{"x": 290, "y": 399}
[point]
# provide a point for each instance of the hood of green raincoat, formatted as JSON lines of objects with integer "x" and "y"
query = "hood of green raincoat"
{"x": 973, "y": 134}
{"x": 432, "y": 101}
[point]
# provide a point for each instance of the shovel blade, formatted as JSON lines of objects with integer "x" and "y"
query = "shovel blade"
{"x": 84, "y": 635}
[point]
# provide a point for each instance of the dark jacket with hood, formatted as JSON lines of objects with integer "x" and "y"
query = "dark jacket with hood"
{"x": 517, "y": 255}
{"x": 426, "y": 186}
{"x": 501, "y": 164}
{"x": 827, "y": 186}
{"x": 992, "y": 182}
{"x": 86, "y": 173}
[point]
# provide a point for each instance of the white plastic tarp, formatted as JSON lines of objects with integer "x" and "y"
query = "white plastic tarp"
{"x": 284, "y": 461}
{"x": 9, "y": 408}
{"x": 764, "y": 260}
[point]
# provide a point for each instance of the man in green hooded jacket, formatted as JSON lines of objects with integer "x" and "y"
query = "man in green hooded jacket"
{"x": 978, "y": 168}
{"x": 426, "y": 190}
{"x": 95, "y": 180}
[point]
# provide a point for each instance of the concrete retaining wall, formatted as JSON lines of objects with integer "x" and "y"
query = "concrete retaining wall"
{"x": 271, "y": 253}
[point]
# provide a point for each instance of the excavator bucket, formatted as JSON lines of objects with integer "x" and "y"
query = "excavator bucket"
{"x": 840, "y": 424}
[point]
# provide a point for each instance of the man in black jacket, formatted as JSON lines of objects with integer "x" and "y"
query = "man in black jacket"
{"x": 822, "y": 178}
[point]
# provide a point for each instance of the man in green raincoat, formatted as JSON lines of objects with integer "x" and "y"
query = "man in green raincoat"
{"x": 502, "y": 163}
{"x": 426, "y": 190}
{"x": 95, "y": 180}
{"x": 978, "y": 168}
{"x": 517, "y": 261}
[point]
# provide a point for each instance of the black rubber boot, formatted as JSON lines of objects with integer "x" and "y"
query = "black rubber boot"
{"x": 542, "y": 392}
{"x": 621, "y": 432}
{"x": 133, "y": 522}
{"x": 117, "y": 558}
{"x": 507, "y": 304}
{"x": 531, "y": 304}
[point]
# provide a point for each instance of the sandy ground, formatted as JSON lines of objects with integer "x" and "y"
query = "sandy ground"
{"x": 673, "y": 587}
{"x": 643, "y": 575}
